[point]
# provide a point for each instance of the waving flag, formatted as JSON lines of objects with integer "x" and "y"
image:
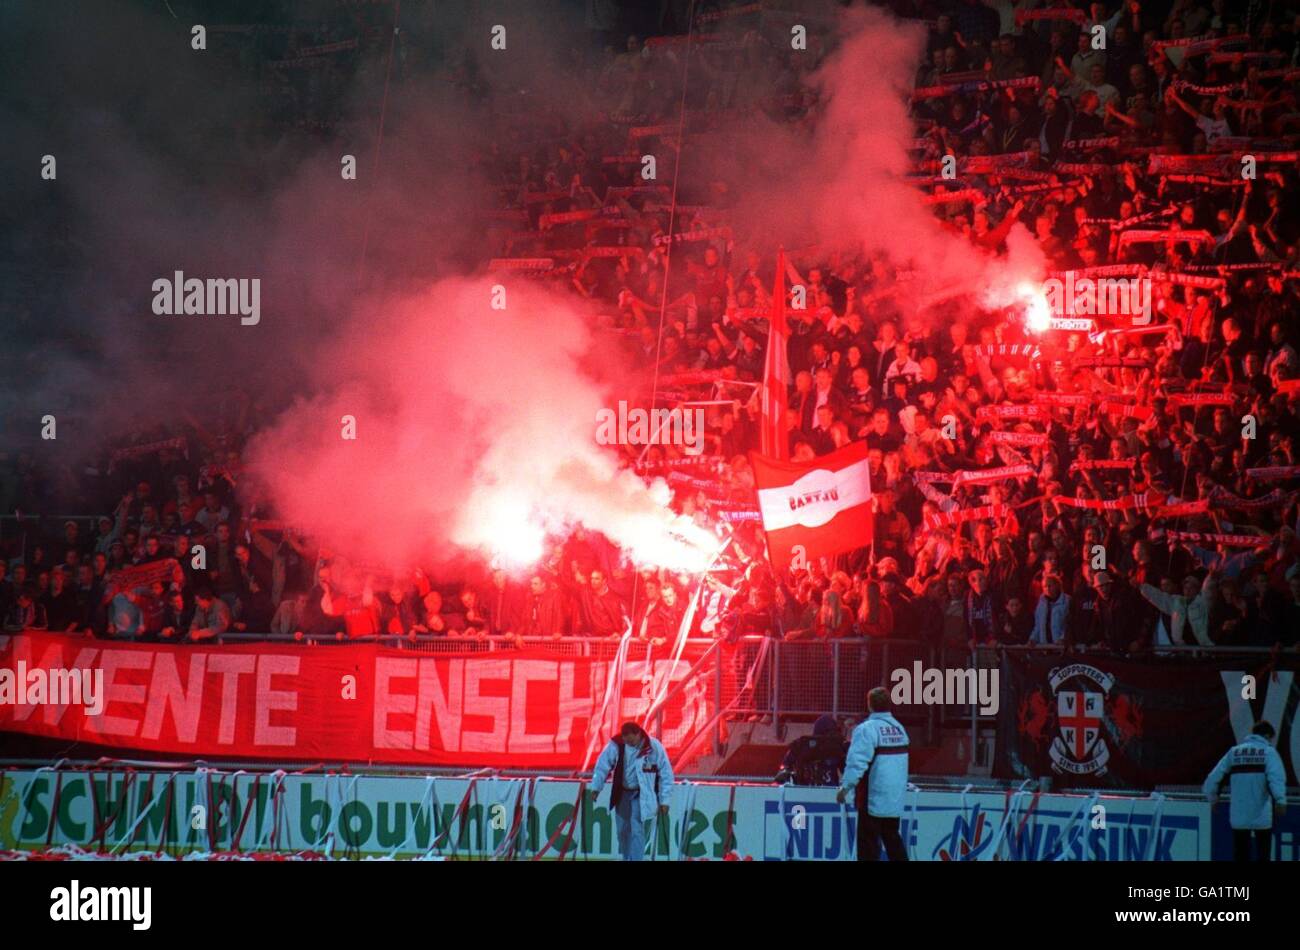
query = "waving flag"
{"x": 822, "y": 507}
{"x": 774, "y": 442}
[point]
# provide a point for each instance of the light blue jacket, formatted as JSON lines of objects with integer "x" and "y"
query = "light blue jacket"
{"x": 653, "y": 770}
{"x": 1060, "y": 619}
{"x": 1257, "y": 780}
{"x": 879, "y": 751}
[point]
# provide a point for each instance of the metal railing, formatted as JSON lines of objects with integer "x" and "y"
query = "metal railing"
{"x": 594, "y": 648}
{"x": 809, "y": 678}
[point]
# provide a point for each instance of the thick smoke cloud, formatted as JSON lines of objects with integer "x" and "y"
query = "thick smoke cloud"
{"x": 474, "y": 426}
{"x": 841, "y": 185}
{"x": 474, "y": 433}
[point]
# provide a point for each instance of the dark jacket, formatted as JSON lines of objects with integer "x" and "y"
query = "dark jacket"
{"x": 1115, "y": 622}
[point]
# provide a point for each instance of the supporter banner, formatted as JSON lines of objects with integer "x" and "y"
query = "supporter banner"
{"x": 990, "y": 476}
{"x": 350, "y": 702}
{"x": 1109, "y": 362}
{"x": 614, "y": 250}
{"x": 1208, "y": 181}
{"x": 700, "y": 463}
{"x": 702, "y": 234}
{"x": 327, "y": 48}
{"x": 1030, "y": 439}
{"x": 1086, "y": 465}
{"x": 952, "y": 197}
{"x": 368, "y": 816}
{"x": 723, "y": 14}
{"x": 1030, "y": 174}
{"x": 1156, "y": 236}
{"x": 1225, "y": 89}
{"x": 142, "y": 575}
{"x": 1107, "y": 721}
{"x": 521, "y": 263}
{"x": 966, "y": 88}
{"x": 737, "y": 515}
{"x": 1072, "y": 324}
{"x": 1251, "y": 266}
{"x": 1103, "y": 504}
{"x": 1199, "y": 399}
{"x": 1018, "y": 190}
{"x": 1231, "y": 540}
{"x": 1221, "y": 59}
{"x": 567, "y": 217}
{"x": 1119, "y": 224}
{"x": 945, "y": 519}
{"x": 1092, "y": 145}
{"x": 139, "y": 451}
{"x": 1065, "y": 14}
{"x": 663, "y": 207}
{"x": 699, "y": 484}
{"x": 1082, "y": 168}
{"x": 1182, "y": 510}
{"x": 985, "y": 413}
{"x": 1197, "y": 45}
{"x": 645, "y": 131}
{"x": 1071, "y": 400}
{"x": 1104, "y": 270}
{"x": 1190, "y": 280}
{"x": 1031, "y": 350}
{"x": 967, "y": 75}
{"x": 987, "y": 164}
{"x": 1253, "y": 145}
{"x": 1271, "y": 472}
{"x": 1190, "y": 165}
{"x": 1222, "y": 498}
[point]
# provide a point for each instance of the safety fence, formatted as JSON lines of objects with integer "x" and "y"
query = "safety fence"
{"x": 117, "y": 811}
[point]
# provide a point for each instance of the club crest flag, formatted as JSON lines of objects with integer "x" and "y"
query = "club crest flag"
{"x": 816, "y": 508}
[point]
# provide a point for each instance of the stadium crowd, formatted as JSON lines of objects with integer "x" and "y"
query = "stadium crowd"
{"x": 1122, "y": 488}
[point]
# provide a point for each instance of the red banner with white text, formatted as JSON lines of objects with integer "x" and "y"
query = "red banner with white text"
{"x": 349, "y": 702}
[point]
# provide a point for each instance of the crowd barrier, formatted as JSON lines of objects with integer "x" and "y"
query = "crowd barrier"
{"x": 194, "y": 813}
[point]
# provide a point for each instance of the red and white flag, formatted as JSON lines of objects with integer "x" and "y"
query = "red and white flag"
{"x": 774, "y": 437}
{"x": 822, "y": 507}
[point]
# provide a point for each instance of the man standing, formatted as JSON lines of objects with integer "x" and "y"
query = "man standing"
{"x": 1118, "y": 622}
{"x": 642, "y": 785}
{"x": 1257, "y": 775}
{"x": 878, "y": 753}
{"x": 603, "y": 612}
{"x": 1052, "y": 615}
